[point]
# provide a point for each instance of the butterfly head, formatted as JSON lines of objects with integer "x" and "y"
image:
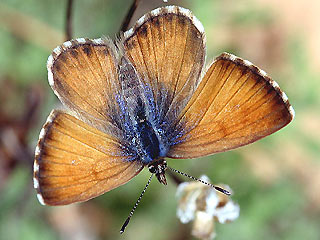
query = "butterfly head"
{"x": 159, "y": 168}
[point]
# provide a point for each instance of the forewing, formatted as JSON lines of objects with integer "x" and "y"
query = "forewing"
{"x": 167, "y": 48}
{"x": 75, "y": 162}
{"x": 235, "y": 104}
{"x": 83, "y": 74}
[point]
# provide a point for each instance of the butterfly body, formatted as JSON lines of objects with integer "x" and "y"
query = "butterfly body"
{"x": 144, "y": 129}
{"x": 131, "y": 103}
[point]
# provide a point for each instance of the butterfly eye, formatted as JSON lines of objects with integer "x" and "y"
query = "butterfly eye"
{"x": 152, "y": 168}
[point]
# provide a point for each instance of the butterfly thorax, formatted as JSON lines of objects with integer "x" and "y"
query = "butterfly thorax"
{"x": 137, "y": 118}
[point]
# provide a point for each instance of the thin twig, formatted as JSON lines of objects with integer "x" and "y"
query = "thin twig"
{"x": 126, "y": 21}
{"x": 69, "y": 20}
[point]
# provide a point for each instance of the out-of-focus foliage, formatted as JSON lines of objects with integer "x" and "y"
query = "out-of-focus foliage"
{"x": 275, "y": 181}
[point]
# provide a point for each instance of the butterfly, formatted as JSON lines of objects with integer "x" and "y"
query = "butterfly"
{"x": 131, "y": 103}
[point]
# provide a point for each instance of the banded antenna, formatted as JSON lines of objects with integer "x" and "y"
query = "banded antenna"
{"x": 125, "y": 224}
{"x": 219, "y": 189}
{"x": 135, "y": 206}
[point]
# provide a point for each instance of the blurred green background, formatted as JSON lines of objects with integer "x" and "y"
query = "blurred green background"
{"x": 276, "y": 181}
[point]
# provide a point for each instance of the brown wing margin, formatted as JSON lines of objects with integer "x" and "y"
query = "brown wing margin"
{"x": 235, "y": 104}
{"x": 75, "y": 162}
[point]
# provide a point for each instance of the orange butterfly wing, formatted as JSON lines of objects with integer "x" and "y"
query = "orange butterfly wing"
{"x": 83, "y": 74}
{"x": 75, "y": 162}
{"x": 235, "y": 104}
{"x": 167, "y": 48}
{"x": 79, "y": 155}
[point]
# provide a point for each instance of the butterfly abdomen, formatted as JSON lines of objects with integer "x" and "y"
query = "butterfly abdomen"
{"x": 149, "y": 141}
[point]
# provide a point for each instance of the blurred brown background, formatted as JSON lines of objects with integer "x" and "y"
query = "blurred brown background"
{"x": 276, "y": 181}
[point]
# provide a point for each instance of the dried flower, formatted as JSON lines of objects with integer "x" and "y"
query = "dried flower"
{"x": 203, "y": 205}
